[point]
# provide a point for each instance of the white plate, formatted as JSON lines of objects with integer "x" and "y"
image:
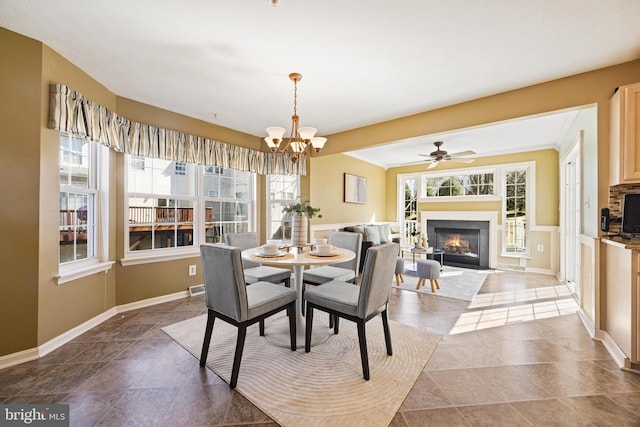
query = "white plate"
{"x": 277, "y": 254}
{"x": 316, "y": 253}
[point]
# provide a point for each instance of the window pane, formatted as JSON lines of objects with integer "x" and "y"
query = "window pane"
{"x": 283, "y": 190}
{"x": 515, "y": 229}
{"x": 76, "y": 221}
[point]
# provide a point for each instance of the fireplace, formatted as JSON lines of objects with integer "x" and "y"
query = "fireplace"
{"x": 465, "y": 243}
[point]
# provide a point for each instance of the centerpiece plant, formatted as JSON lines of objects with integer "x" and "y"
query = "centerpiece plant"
{"x": 300, "y": 213}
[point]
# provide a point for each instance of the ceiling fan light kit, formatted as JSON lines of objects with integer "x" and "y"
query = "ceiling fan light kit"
{"x": 302, "y": 139}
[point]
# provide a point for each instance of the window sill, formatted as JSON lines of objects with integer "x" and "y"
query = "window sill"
{"x": 151, "y": 258}
{"x": 68, "y": 274}
{"x": 512, "y": 255}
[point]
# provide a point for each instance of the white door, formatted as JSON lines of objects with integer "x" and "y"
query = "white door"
{"x": 571, "y": 213}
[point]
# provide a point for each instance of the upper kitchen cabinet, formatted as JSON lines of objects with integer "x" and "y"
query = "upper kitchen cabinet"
{"x": 624, "y": 136}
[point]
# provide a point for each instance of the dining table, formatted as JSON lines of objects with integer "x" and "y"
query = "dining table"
{"x": 298, "y": 257}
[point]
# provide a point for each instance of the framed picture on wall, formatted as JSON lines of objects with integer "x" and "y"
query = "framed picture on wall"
{"x": 355, "y": 189}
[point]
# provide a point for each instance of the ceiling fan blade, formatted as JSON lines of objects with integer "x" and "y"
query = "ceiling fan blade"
{"x": 460, "y": 160}
{"x": 463, "y": 153}
{"x": 425, "y": 155}
{"x": 433, "y": 164}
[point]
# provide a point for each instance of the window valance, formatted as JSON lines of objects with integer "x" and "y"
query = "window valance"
{"x": 72, "y": 112}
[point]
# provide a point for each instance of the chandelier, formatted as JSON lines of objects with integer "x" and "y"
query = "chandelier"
{"x": 302, "y": 139}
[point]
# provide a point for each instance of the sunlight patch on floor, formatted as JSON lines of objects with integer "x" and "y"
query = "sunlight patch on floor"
{"x": 500, "y": 316}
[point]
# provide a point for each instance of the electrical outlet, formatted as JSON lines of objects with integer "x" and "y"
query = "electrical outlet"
{"x": 540, "y": 248}
{"x": 192, "y": 270}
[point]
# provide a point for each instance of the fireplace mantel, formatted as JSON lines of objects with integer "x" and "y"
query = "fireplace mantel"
{"x": 491, "y": 217}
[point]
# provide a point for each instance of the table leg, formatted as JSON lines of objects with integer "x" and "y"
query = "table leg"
{"x": 278, "y": 332}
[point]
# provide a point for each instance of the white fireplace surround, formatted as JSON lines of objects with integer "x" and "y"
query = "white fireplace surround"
{"x": 492, "y": 217}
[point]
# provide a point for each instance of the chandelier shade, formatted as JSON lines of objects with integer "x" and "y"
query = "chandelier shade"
{"x": 302, "y": 140}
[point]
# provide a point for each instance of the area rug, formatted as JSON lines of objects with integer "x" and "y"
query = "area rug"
{"x": 457, "y": 283}
{"x": 324, "y": 387}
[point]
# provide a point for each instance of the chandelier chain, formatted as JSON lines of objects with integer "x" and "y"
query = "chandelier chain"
{"x": 295, "y": 97}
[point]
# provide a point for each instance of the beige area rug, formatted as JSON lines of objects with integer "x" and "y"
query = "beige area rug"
{"x": 456, "y": 283}
{"x": 324, "y": 387}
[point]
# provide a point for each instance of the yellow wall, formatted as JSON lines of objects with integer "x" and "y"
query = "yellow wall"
{"x": 19, "y": 174}
{"x": 326, "y": 177}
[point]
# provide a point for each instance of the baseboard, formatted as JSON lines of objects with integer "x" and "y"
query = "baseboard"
{"x": 151, "y": 301}
{"x": 510, "y": 267}
{"x": 57, "y": 342}
{"x": 587, "y": 323}
{"x": 616, "y": 353}
{"x": 540, "y": 271}
{"x": 19, "y": 357}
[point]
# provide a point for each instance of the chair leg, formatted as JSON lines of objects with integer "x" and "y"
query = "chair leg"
{"x": 402, "y": 277}
{"x": 261, "y": 326}
{"x": 331, "y": 320}
{"x": 336, "y": 324}
{"x": 420, "y": 283}
{"x": 307, "y": 332}
{"x": 287, "y": 282}
{"x": 211, "y": 317}
{"x": 433, "y": 289}
{"x": 242, "y": 333}
{"x": 362, "y": 339}
{"x": 387, "y": 333}
{"x": 291, "y": 312}
{"x": 397, "y": 280}
{"x": 437, "y": 284}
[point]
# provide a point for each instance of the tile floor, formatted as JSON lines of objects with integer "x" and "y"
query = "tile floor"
{"x": 539, "y": 369}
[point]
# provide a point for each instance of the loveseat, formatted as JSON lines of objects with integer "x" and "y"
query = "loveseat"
{"x": 372, "y": 235}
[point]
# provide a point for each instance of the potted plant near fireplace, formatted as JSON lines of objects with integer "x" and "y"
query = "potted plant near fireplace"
{"x": 300, "y": 213}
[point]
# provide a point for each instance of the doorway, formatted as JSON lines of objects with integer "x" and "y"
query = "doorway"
{"x": 571, "y": 215}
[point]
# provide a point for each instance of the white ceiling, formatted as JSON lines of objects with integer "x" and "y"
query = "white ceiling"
{"x": 362, "y": 61}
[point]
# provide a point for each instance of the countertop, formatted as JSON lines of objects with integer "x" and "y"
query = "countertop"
{"x": 632, "y": 243}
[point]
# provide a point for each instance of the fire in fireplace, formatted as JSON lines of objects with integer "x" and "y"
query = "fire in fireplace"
{"x": 461, "y": 246}
{"x": 466, "y": 243}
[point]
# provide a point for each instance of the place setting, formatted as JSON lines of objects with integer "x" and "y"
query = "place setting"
{"x": 272, "y": 250}
{"x": 322, "y": 249}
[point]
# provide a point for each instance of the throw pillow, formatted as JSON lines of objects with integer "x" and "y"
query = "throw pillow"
{"x": 385, "y": 233}
{"x": 371, "y": 235}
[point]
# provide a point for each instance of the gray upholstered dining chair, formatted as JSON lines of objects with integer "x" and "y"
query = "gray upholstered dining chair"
{"x": 255, "y": 269}
{"x": 344, "y": 271}
{"x": 230, "y": 299}
{"x": 357, "y": 303}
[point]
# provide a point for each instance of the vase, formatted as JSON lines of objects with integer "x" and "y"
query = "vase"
{"x": 299, "y": 225}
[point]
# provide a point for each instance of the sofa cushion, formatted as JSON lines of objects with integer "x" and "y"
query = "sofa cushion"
{"x": 371, "y": 234}
{"x": 385, "y": 233}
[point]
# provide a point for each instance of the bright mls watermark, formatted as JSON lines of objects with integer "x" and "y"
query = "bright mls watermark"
{"x": 34, "y": 415}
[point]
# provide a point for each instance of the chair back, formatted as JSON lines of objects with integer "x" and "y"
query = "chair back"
{"x": 377, "y": 278}
{"x": 243, "y": 241}
{"x": 225, "y": 289}
{"x": 350, "y": 241}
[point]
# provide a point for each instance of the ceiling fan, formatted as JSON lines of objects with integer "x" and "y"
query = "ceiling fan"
{"x": 439, "y": 155}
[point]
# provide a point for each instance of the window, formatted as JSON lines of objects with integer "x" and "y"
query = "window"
{"x": 228, "y": 202}
{"x": 77, "y": 219}
{"x": 515, "y": 211}
{"x": 410, "y": 209}
{"x": 459, "y": 185}
{"x": 282, "y": 190}
{"x": 161, "y": 201}
{"x": 172, "y": 206}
